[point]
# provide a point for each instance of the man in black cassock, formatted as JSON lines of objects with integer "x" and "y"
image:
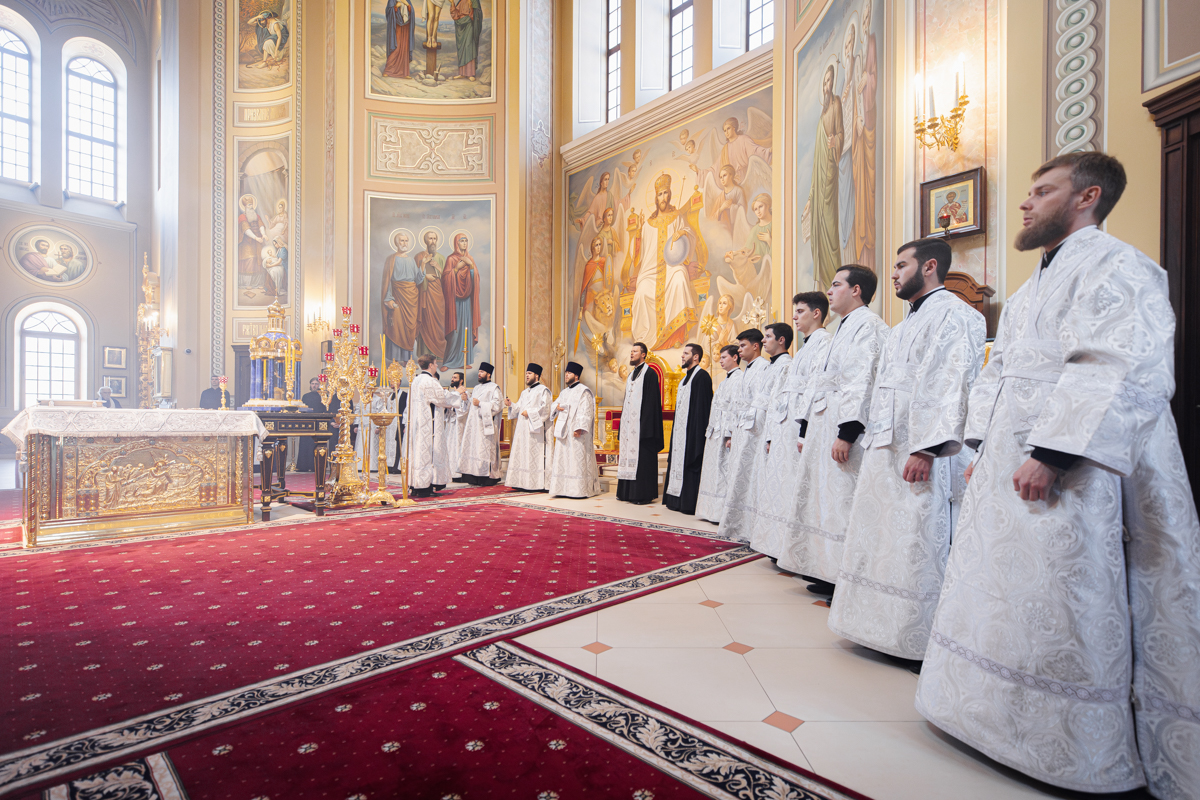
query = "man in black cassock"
{"x": 681, "y": 486}
{"x": 641, "y": 434}
{"x": 401, "y": 404}
{"x": 304, "y": 456}
{"x": 211, "y": 397}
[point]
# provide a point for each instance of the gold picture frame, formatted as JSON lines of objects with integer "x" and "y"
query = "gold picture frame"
{"x": 115, "y": 357}
{"x": 116, "y": 383}
{"x": 958, "y": 200}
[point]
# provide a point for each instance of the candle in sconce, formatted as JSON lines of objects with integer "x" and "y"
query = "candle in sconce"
{"x": 932, "y": 107}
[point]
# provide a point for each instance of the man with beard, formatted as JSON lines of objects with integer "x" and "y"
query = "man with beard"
{"x": 428, "y": 451}
{"x": 693, "y": 403}
{"x": 820, "y": 215}
{"x": 573, "y": 469}
{"x": 479, "y": 457}
{"x": 455, "y": 422}
{"x": 894, "y": 556}
{"x": 431, "y": 300}
{"x": 714, "y": 472}
{"x": 312, "y": 401}
{"x": 530, "y": 454}
{"x": 1065, "y": 639}
{"x": 641, "y": 433}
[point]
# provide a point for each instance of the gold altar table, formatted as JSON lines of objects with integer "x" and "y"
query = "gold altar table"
{"x": 96, "y": 473}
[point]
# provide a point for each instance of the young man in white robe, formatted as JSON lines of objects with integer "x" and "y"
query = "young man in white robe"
{"x": 573, "y": 468}
{"x": 456, "y": 422}
{"x": 714, "y": 473}
{"x": 479, "y": 455}
{"x": 833, "y": 417}
{"x": 1066, "y": 643}
{"x": 425, "y": 426}
{"x": 894, "y": 556}
{"x": 810, "y": 312}
{"x": 529, "y": 458}
{"x": 752, "y": 434}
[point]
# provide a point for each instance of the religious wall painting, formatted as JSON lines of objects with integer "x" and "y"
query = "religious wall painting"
{"x": 50, "y": 255}
{"x": 430, "y": 278}
{"x": 264, "y": 44}
{"x": 838, "y": 89}
{"x": 261, "y": 232}
{"x": 670, "y": 241}
{"x": 431, "y": 51}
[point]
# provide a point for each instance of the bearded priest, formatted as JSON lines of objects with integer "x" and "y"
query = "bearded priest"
{"x": 429, "y": 449}
{"x": 693, "y": 403}
{"x": 894, "y": 556}
{"x": 573, "y": 469}
{"x": 530, "y": 454}
{"x": 1064, "y": 643}
{"x": 641, "y": 432}
{"x": 479, "y": 456}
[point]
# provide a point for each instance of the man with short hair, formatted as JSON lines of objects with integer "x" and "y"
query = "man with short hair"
{"x": 693, "y": 403}
{"x": 211, "y": 397}
{"x": 894, "y": 556}
{"x": 573, "y": 471}
{"x": 641, "y": 431}
{"x": 479, "y": 457}
{"x": 1066, "y": 637}
{"x": 714, "y": 472}
{"x": 810, "y": 311}
{"x": 529, "y": 457}
{"x": 425, "y": 425}
{"x": 754, "y": 431}
{"x": 456, "y": 422}
{"x": 833, "y": 416}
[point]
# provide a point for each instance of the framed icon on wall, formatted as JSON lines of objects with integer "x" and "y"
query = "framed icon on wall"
{"x": 955, "y": 205}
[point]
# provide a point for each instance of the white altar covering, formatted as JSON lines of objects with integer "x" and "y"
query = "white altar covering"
{"x": 75, "y": 421}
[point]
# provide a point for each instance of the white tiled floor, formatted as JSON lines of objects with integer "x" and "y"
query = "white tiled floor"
{"x": 857, "y": 725}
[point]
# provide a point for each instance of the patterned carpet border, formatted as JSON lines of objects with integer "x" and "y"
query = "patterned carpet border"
{"x": 654, "y": 526}
{"x": 11, "y": 550}
{"x": 39, "y": 763}
{"x": 687, "y": 753}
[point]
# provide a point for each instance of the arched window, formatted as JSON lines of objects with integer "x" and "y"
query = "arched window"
{"x": 50, "y": 355}
{"x": 16, "y": 107}
{"x": 91, "y": 129}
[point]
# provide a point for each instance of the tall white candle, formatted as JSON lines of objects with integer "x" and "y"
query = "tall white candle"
{"x": 932, "y": 107}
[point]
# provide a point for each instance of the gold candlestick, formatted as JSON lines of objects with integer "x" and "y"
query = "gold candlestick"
{"x": 346, "y": 375}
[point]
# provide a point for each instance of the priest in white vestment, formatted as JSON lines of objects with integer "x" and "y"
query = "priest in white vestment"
{"x": 810, "y": 311}
{"x": 529, "y": 457}
{"x": 1066, "y": 643}
{"x": 894, "y": 556}
{"x": 753, "y": 431}
{"x": 383, "y": 401}
{"x": 573, "y": 468}
{"x": 833, "y": 417}
{"x": 685, "y": 459}
{"x": 640, "y": 436}
{"x": 425, "y": 425}
{"x": 479, "y": 455}
{"x": 455, "y": 423}
{"x": 726, "y": 405}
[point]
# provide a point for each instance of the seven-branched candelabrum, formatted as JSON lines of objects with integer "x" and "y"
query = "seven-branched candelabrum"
{"x": 347, "y": 373}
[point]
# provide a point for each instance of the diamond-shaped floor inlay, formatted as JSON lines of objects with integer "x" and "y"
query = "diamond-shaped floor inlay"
{"x": 596, "y": 647}
{"x": 785, "y": 722}
{"x": 737, "y": 647}
{"x": 822, "y": 603}
{"x": 711, "y": 603}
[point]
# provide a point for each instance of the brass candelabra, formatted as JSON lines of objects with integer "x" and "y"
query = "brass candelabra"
{"x": 347, "y": 373}
{"x": 941, "y": 131}
{"x": 393, "y": 376}
{"x": 149, "y": 334}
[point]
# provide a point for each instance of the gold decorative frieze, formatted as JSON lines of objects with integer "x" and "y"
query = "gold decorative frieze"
{"x": 413, "y": 148}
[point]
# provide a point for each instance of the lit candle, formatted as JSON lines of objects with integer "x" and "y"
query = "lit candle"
{"x": 329, "y": 357}
{"x": 337, "y": 332}
{"x": 932, "y": 107}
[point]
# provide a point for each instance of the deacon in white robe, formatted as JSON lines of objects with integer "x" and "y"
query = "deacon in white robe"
{"x": 479, "y": 456}
{"x": 833, "y": 418}
{"x": 455, "y": 423}
{"x": 898, "y": 538}
{"x": 425, "y": 425}
{"x": 529, "y": 458}
{"x": 810, "y": 311}
{"x": 714, "y": 473}
{"x": 1066, "y": 643}
{"x": 693, "y": 406}
{"x": 749, "y": 445}
{"x": 382, "y": 402}
{"x": 573, "y": 468}
{"x": 641, "y": 431}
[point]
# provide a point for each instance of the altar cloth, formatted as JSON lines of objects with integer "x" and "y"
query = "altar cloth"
{"x": 72, "y": 421}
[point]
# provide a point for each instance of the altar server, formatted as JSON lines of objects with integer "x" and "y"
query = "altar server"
{"x": 382, "y": 402}
{"x": 714, "y": 474}
{"x": 529, "y": 457}
{"x": 833, "y": 417}
{"x": 428, "y": 450}
{"x": 573, "y": 469}
{"x": 456, "y": 422}
{"x": 894, "y": 555}
{"x": 750, "y": 439}
{"x": 810, "y": 311}
{"x": 641, "y": 431}
{"x": 1065, "y": 641}
{"x": 693, "y": 403}
{"x": 479, "y": 459}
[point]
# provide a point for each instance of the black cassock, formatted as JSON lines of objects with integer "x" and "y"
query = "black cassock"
{"x": 304, "y": 457}
{"x": 644, "y": 487}
{"x": 699, "y": 406}
{"x": 394, "y": 467}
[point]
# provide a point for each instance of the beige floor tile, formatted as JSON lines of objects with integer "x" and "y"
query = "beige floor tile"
{"x": 835, "y": 684}
{"x": 688, "y": 593}
{"x": 572, "y": 633}
{"x": 759, "y": 566}
{"x": 780, "y": 625}
{"x": 908, "y": 761}
{"x": 733, "y": 586}
{"x": 661, "y": 625}
{"x": 764, "y": 737}
{"x": 698, "y": 683}
{"x": 575, "y": 657}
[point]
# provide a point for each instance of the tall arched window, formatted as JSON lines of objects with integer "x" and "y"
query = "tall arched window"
{"x": 50, "y": 354}
{"x": 16, "y": 107}
{"x": 91, "y": 129}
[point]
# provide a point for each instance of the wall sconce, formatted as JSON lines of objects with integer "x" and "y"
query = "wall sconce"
{"x": 317, "y": 323}
{"x": 933, "y": 131}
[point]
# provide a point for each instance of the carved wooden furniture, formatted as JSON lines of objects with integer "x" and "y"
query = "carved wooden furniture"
{"x": 281, "y": 425}
{"x": 974, "y": 294}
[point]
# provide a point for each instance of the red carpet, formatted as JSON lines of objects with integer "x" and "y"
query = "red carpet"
{"x": 10, "y": 504}
{"x": 104, "y": 634}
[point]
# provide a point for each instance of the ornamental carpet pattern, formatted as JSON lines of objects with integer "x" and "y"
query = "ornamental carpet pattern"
{"x": 497, "y": 721}
{"x": 118, "y": 646}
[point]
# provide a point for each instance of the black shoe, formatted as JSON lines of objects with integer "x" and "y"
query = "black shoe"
{"x": 819, "y": 586}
